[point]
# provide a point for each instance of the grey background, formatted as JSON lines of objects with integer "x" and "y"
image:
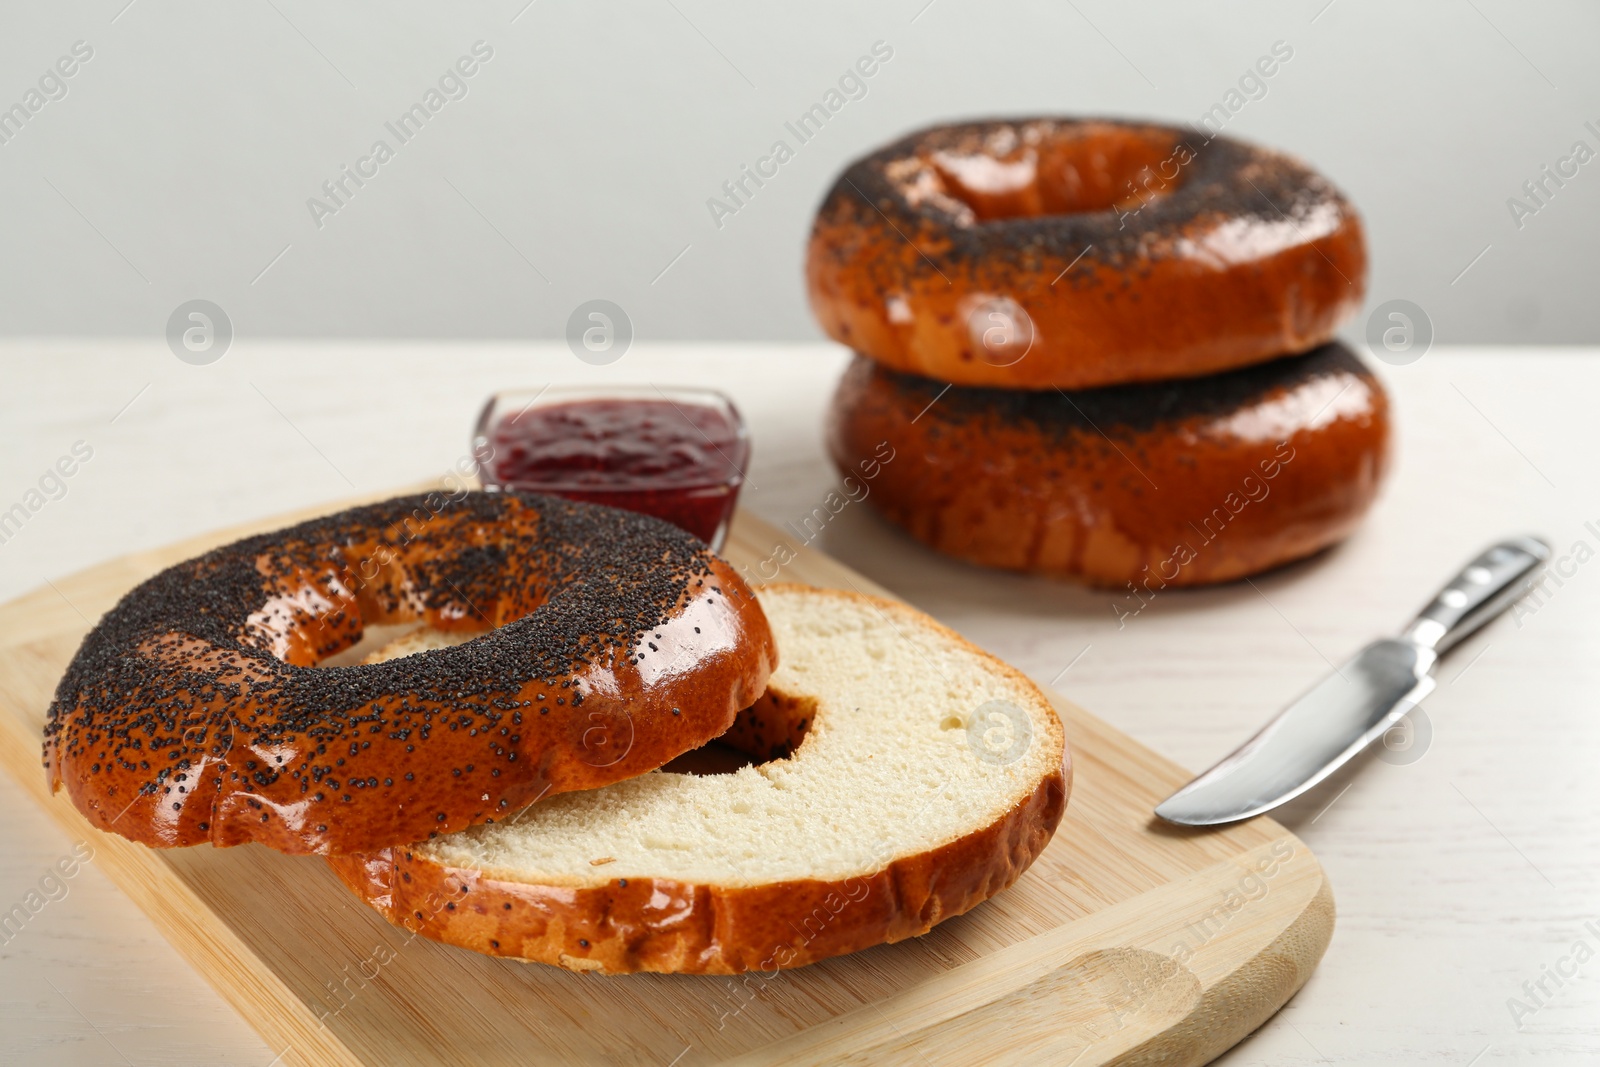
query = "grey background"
{"x": 578, "y": 166}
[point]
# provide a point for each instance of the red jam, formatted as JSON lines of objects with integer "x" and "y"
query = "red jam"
{"x": 675, "y": 459}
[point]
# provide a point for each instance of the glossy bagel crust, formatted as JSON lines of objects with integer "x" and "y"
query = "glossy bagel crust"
{"x": 194, "y": 711}
{"x": 1112, "y": 252}
{"x": 634, "y": 924}
{"x": 654, "y": 924}
{"x": 1169, "y": 484}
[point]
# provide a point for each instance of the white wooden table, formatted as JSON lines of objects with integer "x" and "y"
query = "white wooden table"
{"x": 1460, "y": 876}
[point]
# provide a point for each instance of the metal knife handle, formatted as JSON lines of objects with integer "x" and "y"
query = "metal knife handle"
{"x": 1488, "y": 585}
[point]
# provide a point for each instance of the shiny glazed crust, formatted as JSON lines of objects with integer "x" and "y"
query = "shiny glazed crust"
{"x": 1171, "y": 484}
{"x": 1113, "y": 252}
{"x": 648, "y": 924}
{"x": 635, "y": 924}
{"x": 194, "y": 711}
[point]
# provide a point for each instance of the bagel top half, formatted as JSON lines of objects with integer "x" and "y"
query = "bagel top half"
{"x": 195, "y": 710}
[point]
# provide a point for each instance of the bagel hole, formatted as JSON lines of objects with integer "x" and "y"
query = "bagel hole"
{"x": 772, "y": 728}
{"x": 1086, "y": 168}
{"x": 711, "y": 758}
{"x": 380, "y": 594}
{"x": 373, "y": 638}
{"x": 377, "y": 637}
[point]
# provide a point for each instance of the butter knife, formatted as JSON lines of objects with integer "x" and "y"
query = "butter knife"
{"x": 1343, "y": 713}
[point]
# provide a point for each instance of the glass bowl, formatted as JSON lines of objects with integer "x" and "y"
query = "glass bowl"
{"x": 676, "y": 453}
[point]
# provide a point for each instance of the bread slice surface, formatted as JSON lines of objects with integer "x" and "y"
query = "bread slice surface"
{"x": 916, "y": 775}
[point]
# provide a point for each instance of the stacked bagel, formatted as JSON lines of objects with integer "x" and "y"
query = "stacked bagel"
{"x": 1100, "y": 350}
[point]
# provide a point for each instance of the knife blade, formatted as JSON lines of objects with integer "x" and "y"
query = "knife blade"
{"x": 1347, "y": 710}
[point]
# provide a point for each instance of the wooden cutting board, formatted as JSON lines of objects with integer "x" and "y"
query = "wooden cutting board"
{"x": 1127, "y": 942}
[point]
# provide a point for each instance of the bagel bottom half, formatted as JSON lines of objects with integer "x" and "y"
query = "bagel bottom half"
{"x": 910, "y": 777}
{"x": 1174, "y": 483}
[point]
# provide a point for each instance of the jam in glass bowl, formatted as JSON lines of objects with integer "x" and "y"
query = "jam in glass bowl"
{"x": 676, "y": 453}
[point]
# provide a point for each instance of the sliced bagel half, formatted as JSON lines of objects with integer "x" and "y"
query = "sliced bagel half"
{"x": 909, "y": 776}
